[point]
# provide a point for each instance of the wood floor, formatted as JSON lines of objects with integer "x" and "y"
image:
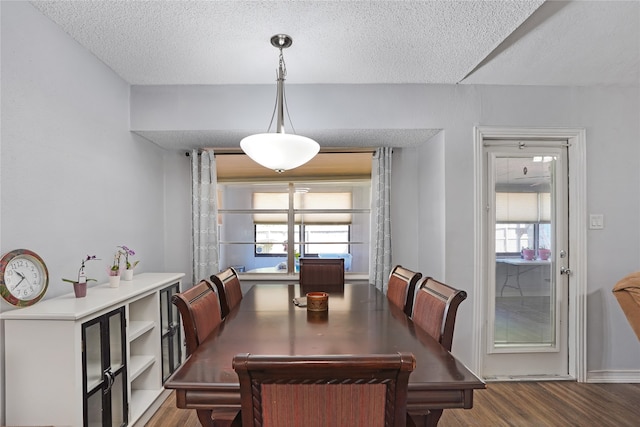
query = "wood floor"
{"x": 522, "y": 404}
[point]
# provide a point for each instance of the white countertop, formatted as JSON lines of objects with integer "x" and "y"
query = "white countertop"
{"x": 68, "y": 307}
{"x": 521, "y": 261}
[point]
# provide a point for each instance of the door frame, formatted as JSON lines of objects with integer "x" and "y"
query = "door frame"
{"x": 577, "y": 318}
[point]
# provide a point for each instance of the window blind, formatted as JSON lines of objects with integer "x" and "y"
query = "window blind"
{"x": 309, "y": 208}
{"x": 523, "y": 207}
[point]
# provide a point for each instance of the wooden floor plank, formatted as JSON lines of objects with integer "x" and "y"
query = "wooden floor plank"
{"x": 538, "y": 404}
{"x": 508, "y": 404}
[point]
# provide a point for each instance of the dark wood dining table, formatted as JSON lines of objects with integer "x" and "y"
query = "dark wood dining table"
{"x": 360, "y": 320}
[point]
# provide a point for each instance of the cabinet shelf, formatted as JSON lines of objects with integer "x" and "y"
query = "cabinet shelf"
{"x": 138, "y": 327}
{"x": 140, "y": 401}
{"x": 137, "y": 365}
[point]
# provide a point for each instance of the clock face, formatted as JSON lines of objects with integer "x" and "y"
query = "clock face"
{"x": 23, "y": 277}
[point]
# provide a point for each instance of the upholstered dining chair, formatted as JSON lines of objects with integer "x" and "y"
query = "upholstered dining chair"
{"x": 435, "y": 308}
{"x": 321, "y": 274}
{"x": 324, "y": 390}
{"x": 199, "y": 309}
{"x": 229, "y": 289}
{"x": 401, "y": 288}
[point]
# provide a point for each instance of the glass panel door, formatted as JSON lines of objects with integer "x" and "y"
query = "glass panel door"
{"x": 171, "y": 335}
{"x": 116, "y": 353}
{"x": 115, "y": 394}
{"x": 528, "y": 305}
{"x": 525, "y": 304}
{"x": 92, "y": 355}
{"x": 104, "y": 370}
{"x": 117, "y": 402}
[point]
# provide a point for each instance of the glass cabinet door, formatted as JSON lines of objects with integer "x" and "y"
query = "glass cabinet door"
{"x": 92, "y": 372}
{"x": 104, "y": 370}
{"x": 171, "y": 332}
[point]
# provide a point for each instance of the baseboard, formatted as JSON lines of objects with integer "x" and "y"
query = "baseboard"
{"x": 613, "y": 376}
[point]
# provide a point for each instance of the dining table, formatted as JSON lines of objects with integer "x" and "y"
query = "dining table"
{"x": 359, "y": 320}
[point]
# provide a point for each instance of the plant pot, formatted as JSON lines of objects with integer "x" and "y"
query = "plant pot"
{"x": 80, "y": 289}
{"x": 528, "y": 254}
{"x": 544, "y": 254}
{"x": 114, "y": 281}
{"x": 127, "y": 275}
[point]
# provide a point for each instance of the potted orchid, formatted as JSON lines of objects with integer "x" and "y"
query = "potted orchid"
{"x": 80, "y": 286}
{"x": 114, "y": 270}
{"x": 129, "y": 266}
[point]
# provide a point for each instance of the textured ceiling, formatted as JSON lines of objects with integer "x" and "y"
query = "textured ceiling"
{"x": 342, "y": 42}
{"x": 227, "y": 42}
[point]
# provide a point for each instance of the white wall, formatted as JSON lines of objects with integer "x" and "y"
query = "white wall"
{"x": 177, "y": 215}
{"x": 432, "y": 190}
{"x": 74, "y": 180}
{"x": 404, "y": 207}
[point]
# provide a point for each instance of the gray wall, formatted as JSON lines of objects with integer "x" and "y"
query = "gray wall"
{"x": 433, "y": 183}
{"x": 75, "y": 181}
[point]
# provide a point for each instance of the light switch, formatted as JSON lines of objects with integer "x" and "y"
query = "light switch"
{"x": 596, "y": 221}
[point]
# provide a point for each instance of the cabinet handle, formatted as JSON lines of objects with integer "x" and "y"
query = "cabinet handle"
{"x": 108, "y": 377}
{"x": 173, "y": 327}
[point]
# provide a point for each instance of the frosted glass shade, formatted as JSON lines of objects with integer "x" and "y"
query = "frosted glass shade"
{"x": 279, "y": 151}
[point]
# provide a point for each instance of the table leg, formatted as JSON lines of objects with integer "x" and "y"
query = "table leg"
{"x": 506, "y": 279}
{"x": 204, "y": 416}
{"x": 518, "y": 280}
{"x": 219, "y": 417}
{"x": 429, "y": 419}
{"x": 433, "y": 417}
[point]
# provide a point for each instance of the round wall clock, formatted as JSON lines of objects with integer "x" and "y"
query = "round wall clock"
{"x": 23, "y": 277}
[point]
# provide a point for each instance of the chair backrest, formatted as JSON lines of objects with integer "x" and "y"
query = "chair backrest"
{"x": 401, "y": 288}
{"x": 322, "y": 274}
{"x": 229, "y": 289}
{"x": 329, "y": 390}
{"x": 199, "y": 308}
{"x": 435, "y": 308}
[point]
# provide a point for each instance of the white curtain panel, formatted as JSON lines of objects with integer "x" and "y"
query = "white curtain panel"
{"x": 380, "y": 262}
{"x": 205, "y": 215}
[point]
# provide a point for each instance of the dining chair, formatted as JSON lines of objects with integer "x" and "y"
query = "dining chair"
{"x": 229, "y": 289}
{"x": 199, "y": 309}
{"x": 435, "y": 308}
{"x": 321, "y": 274}
{"x": 401, "y": 288}
{"x": 324, "y": 390}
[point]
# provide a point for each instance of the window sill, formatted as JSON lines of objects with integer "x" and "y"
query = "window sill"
{"x": 295, "y": 277}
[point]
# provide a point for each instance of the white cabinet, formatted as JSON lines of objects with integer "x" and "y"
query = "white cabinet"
{"x": 52, "y": 372}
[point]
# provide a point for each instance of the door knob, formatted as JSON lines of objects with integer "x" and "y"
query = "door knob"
{"x": 564, "y": 270}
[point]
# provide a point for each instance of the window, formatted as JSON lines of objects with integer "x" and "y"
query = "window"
{"x": 266, "y": 227}
{"x": 522, "y": 221}
{"x": 512, "y": 238}
{"x": 271, "y": 239}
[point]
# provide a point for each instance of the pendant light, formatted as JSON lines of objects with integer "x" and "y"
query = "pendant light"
{"x": 280, "y": 151}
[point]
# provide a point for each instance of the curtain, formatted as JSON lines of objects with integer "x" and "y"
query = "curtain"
{"x": 380, "y": 262}
{"x": 205, "y": 214}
